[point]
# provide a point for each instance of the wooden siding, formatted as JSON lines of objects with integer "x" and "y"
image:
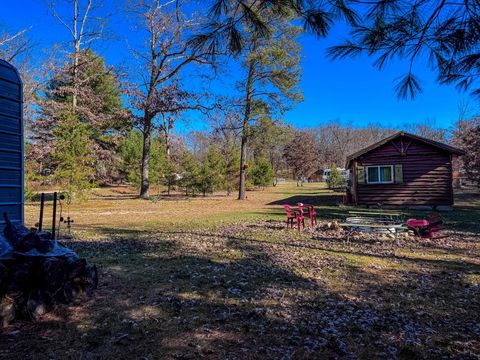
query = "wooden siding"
{"x": 427, "y": 172}
{"x": 11, "y": 145}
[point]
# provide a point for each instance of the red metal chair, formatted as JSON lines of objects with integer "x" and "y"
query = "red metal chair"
{"x": 310, "y": 210}
{"x": 426, "y": 228}
{"x": 293, "y": 214}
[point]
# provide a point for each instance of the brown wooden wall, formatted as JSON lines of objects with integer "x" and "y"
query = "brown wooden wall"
{"x": 427, "y": 176}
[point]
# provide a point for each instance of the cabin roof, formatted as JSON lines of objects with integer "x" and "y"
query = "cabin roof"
{"x": 445, "y": 147}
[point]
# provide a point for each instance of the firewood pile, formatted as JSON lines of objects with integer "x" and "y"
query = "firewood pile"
{"x": 36, "y": 273}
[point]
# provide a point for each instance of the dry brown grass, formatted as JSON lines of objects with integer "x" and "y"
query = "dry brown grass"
{"x": 220, "y": 279}
{"x": 120, "y": 207}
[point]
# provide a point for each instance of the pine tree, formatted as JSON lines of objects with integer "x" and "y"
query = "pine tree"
{"x": 232, "y": 163}
{"x": 190, "y": 173}
{"x": 230, "y": 17}
{"x": 98, "y": 107}
{"x": 269, "y": 140}
{"x": 130, "y": 150}
{"x": 262, "y": 173}
{"x": 212, "y": 171}
{"x": 335, "y": 179}
{"x": 75, "y": 165}
{"x": 272, "y": 74}
{"x": 170, "y": 172}
{"x": 442, "y": 34}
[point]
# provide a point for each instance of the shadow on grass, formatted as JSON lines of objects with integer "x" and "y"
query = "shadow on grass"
{"x": 215, "y": 295}
{"x": 464, "y": 218}
{"x": 143, "y": 241}
{"x": 316, "y": 200}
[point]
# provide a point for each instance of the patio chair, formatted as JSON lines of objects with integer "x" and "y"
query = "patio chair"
{"x": 426, "y": 228}
{"x": 310, "y": 210}
{"x": 294, "y": 214}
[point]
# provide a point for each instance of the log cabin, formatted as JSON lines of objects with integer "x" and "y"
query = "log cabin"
{"x": 402, "y": 169}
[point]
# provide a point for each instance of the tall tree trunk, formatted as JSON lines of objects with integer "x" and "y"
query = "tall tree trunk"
{"x": 246, "y": 119}
{"x": 166, "y": 132}
{"x": 76, "y": 54}
{"x": 147, "y": 139}
{"x": 243, "y": 171}
{"x": 167, "y": 144}
{"x": 167, "y": 137}
{"x": 75, "y": 79}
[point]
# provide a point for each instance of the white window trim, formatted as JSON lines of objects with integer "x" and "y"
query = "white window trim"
{"x": 378, "y": 167}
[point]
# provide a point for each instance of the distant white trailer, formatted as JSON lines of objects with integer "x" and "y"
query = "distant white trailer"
{"x": 11, "y": 145}
{"x": 344, "y": 172}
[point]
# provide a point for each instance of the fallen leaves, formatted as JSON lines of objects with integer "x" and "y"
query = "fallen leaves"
{"x": 258, "y": 290}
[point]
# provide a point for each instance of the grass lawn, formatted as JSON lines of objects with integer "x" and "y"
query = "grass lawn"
{"x": 217, "y": 278}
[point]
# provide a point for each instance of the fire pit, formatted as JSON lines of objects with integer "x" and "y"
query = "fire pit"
{"x": 373, "y": 225}
{"x": 377, "y": 225}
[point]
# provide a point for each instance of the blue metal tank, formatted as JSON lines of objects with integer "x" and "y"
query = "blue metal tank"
{"x": 11, "y": 145}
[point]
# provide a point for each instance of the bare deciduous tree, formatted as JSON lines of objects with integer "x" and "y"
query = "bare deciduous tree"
{"x": 17, "y": 48}
{"x": 14, "y": 45}
{"x": 336, "y": 141}
{"x": 301, "y": 154}
{"x": 166, "y": 53}
{"x": 427, "y": 130}
{"x": 467, "y": 136}
{"x": 84, "y": 27}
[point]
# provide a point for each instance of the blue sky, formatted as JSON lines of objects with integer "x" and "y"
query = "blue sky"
{"x": 352, "y": 90}
{"x": 348, "y": 91}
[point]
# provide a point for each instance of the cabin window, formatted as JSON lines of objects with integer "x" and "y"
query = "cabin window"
{"x": 382, "y": 174}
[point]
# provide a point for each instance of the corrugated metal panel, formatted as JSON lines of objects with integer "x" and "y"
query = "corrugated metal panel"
{"x": 9, "y": 107}
{"x": 10, "y": 160}
{"x": 9, "y": 176}
{"x": 10, "y": 141}
{"x": 8, "y": 124}
{"x": 11, "y": 144}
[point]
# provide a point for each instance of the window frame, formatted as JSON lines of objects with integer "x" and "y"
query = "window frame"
{"x": 392, "y": 171}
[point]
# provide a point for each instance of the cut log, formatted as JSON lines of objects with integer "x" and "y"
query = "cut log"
{"x": 22, "y": 277}
{"x": 7, "y": 311}
{"x": 34, "y": 308}
{"x": 32, "y": 286}
{"x": 39, "y": 274}
{"x": 3, "y": 279}
{"x": 24, "y": 240}
{"x": 91, "y": 279}
{"x": 53, "y": 275}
